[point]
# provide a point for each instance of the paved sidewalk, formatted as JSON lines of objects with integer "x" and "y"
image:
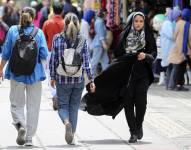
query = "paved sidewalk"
{"x": 167, "y": 125}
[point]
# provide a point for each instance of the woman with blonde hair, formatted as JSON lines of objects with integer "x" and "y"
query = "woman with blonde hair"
{"x": 69, "y": 83}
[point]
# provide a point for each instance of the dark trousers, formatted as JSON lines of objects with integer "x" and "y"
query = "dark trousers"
{"x": 135, "y": 104}
{"x": 175, "y": 75}
{"x": 180, "y": 73}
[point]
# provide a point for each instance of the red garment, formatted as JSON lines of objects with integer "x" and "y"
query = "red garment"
{"x": 103, "y": 3}
{"x": 52, "y": 27}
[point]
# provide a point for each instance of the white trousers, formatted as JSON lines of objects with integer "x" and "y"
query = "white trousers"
{"x": 28, "y": 95}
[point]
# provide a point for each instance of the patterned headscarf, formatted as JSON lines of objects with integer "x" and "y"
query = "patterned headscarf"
{"x": 136, "y": 39}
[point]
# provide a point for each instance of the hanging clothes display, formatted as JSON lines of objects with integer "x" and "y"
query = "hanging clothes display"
{"x": 178, "y": 3}
{"x": 96, "y": 4}
{"x": 113, "y": 17}
{"x": 103, "y": 3}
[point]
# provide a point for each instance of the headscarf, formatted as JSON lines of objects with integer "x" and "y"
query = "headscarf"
{"x": 186, "y": 13}
{"x": 136, "y": 39}
{"x": 88, "y": 15}
{"x": 169, "y": 15}
{"x": 175, "y": 14}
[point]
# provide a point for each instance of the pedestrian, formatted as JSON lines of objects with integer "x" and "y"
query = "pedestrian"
{"x": 124, "y": 84}
{"x": 56, "y": 24}
{"x": 85, "y": 27}
{"x": 180, "y": 52}
{"x": 99, "y": 44}
{"x": 69, "y": 60}
{"x": 171, "y": 71}
{"x": 25, "y": 88}
{"x": 158, "y": 69}
{"x": 167, "y": 42}
{"x": 138, "y": 42}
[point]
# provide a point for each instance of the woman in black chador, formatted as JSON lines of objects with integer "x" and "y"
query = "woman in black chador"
{"x": 124, "y": 84}
{"x": 138, "y": 41}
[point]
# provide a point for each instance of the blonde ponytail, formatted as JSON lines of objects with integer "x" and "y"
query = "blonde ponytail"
{"x": 25, "y": 19}
{"x": 27, "y": 16}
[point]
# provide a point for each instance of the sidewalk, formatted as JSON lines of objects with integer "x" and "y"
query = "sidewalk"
{"x": 167, "y": 125}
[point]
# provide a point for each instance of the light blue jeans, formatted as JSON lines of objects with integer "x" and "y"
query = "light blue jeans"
{"x": 99, "y": 55}
{"x": 69, "y": 96}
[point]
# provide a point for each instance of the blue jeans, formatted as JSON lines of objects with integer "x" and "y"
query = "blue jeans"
{"x": 99, "y": 55}
{"x": 69, "y": 96}
{"x": 171, "y": 76}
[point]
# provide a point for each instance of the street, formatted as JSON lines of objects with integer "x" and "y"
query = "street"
{"x": 167, "y": 125}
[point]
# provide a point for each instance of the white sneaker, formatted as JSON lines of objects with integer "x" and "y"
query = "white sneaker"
{"x": 162, "y": 79}
{"x": 75, "y": 141}
{"x": 68, "y": 133}
{"x": 28, "y": 143}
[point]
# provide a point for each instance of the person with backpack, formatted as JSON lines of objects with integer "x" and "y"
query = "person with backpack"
{"x": 24, "y": 49}
{"x": 68, "y": 63}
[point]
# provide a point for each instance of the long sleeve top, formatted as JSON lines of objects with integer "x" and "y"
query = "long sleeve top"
{"x": 38, "y": 74}
{"x": 58, "y": 47}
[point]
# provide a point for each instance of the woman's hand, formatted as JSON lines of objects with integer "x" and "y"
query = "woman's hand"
{"x": 141, "y": 56}
{"x": 1, "y": 75}
{"x": 53, "y": 84}
{"x": 92, "y": 87}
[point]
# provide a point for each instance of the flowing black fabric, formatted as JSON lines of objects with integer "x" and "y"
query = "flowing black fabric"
{"x": 111, "y": 84}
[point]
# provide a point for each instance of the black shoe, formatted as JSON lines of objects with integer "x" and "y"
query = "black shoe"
{"x": 181, "y": 88}
{"x": 140, "y": 134}
{"x": 133, "y": 138}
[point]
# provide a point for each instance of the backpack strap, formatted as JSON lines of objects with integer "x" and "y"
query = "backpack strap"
{"x": 34, "y": 32}
{"x": 76, "y": 43}
{"x": 21, "y": 31}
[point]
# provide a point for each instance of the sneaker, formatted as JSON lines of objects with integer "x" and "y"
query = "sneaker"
{"x": 68, "y": 133}
{"x": 181, "y": 88}
{"x": 28, "y": 143}
{"x": 21, "y": 136}
{"x": 74, "y": 141}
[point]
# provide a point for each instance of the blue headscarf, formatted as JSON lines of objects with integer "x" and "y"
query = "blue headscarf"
{"x": 175, "y": 14}
{"x": 169, "y": 15}
{"x": 186, "y": 13}
{"x": 88, "y": 15}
